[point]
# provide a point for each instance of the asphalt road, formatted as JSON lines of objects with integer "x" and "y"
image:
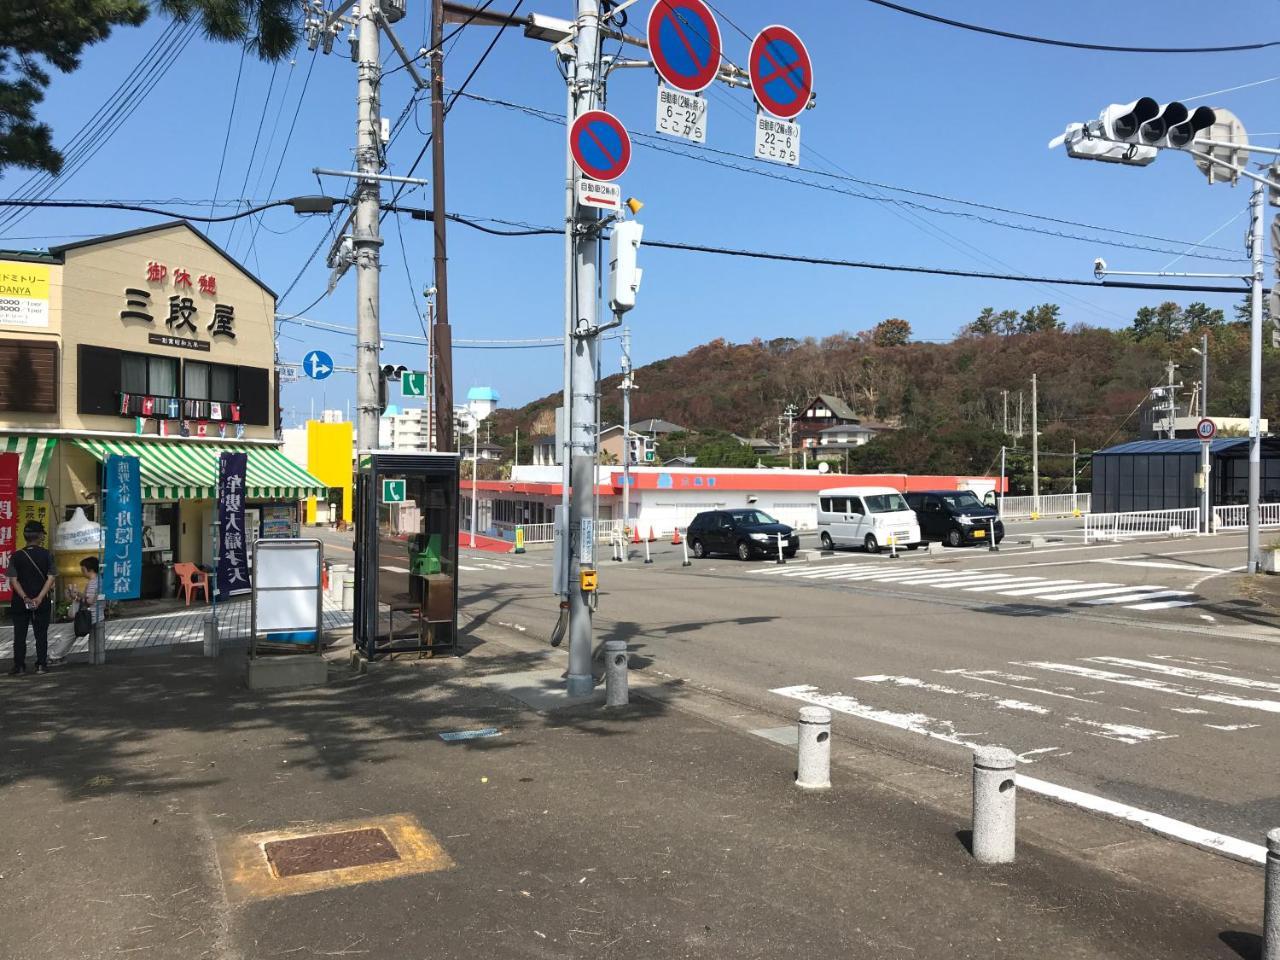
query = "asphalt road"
{"x": 1130, "y": 673}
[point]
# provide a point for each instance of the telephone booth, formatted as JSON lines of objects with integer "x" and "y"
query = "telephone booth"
{"x": 406, "y": 576}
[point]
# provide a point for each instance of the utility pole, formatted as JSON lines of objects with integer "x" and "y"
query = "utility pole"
{"x": 789, "y": 414}
{"x": 1035, "y": 450}
{"x": 1206, "y": 498}
{"x": 1019, "y": 416}
{"x": 441, "y": 335}
{"x": 626, "y": 387}
{"x": 582, "y": 238}
{"x": 366, "y": 241}
{"x": 433, "y": 434}
{"x": 1257, "y": 206}
{"x": 1073, "y": 473}
{"x": 1005, "y": 400}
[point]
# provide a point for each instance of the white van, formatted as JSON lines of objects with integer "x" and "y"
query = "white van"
{"x": 866, "y": 516}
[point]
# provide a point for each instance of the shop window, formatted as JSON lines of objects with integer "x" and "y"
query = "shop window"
{"x": 209, "y": 381}
{"x": 29, "y": 376}
{"x": 148, "y": 376}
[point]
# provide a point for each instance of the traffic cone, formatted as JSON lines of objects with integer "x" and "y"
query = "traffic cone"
{"x": 652, "y": 538}
{"x": 635, "y": 534}
{"x": 675, "y": 536}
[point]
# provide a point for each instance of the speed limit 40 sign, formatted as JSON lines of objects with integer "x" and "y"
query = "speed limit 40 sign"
{"x": 1206, "y": 429}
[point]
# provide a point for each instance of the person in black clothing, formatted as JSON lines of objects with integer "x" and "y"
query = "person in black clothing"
{"x": 31, "y": 579}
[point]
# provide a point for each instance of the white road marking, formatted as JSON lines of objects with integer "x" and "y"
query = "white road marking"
{"x": 396, "y": 569}
{"x": 1155, "y": 822}
{"x": 1184, "y": 567}
{"x": 1233, "y": 726}
{"x": 1005, "y": 680}
{"x": 1187, "y": 674}
{"x": 1045, "y": 585}
{"x": 945, "y": 731}
{"x": 1155, "y": 686}
{"x": 1163, "y": 605}
{"x": 470, "y": 569}
{"x": 1091, "y": 591}
{"x": 1000, "y": 578}
{"x": 994, "y": 587}
{"x": 1124, "y": 733}
{"x": 1139, "y": 596}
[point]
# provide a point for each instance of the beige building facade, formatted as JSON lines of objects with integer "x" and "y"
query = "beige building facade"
{"x": 153, "y": 343}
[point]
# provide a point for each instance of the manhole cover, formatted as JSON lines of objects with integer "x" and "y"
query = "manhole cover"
{"x": 329, "y": 851}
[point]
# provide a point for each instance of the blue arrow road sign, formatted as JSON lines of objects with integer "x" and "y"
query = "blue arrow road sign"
{"x": 317, "y": 365}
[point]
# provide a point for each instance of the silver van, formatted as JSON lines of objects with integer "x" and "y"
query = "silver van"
{"x": 871, "y": 517}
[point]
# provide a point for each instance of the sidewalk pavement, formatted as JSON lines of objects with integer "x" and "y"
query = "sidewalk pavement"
{"x": 171, "y": 628}
{"x": 137, "y": 792}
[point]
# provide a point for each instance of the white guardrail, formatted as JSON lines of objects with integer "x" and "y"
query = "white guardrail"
{"x": 1051, "y": 505}
{"x": 1145, "y": 523}
{"x": 1236, "y": 516}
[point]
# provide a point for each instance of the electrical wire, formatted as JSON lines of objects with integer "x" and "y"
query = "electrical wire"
{"x": 141, "y": 208}
{"x": 1075, "y": 45}
{"x": 253, "y": 153}
{"x": 226, "y": 139}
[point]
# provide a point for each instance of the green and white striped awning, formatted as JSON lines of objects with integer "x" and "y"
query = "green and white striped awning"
{"x": 34, "y": 456}
{"x": 180, "y": 470}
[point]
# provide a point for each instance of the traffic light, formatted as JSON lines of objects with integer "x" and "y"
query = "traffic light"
{"x": 1132, "y": 133}
{"x": 624, "y": 274}
{"x": 389, "y": 371}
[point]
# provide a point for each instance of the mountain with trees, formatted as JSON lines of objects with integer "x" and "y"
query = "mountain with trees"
{"x": 952, "y": 405}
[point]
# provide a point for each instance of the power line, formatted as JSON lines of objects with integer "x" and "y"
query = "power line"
{"x": 140, "y": 208}
{"x": 226, "y": 139}
{"x": 253, "y": 153}
{"x": 1075, "y": 45}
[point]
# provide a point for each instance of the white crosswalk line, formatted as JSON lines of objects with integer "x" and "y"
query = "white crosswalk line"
{"x": 396, "y": 569}
{"x": 468, "y": 569}
{"x": 1093, "y": 590}
{"x": 1187, "y": 674}
{"x": 995, "y": 587}
{"x": 1138, "y": 597}
{"x": 1162, "y": 605}
{"x": 990, "y": 579}
{"x": 1045, "y": 585}
{"x": 1155, "y": 686}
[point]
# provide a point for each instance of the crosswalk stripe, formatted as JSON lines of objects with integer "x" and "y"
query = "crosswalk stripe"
{"x": 1162, "y": 605}
{"x": 1096, "y": 589}
{"x": 1184, "y": 673}
{"x": 1139, "y": 597}
{"x": 990, "y": 579}
{"x": 994, "y": 587}
{"x": 1151, "y": 684}
{"x": 1046, "y": 585}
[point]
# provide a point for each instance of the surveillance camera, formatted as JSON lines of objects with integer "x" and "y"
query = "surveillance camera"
{"x": 429, "y": 292}
{"x": 1099, "y": 268}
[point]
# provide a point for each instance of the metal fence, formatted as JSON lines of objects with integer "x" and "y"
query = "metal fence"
{"x": 1051, "y": 505}
{"x": 1236, "y": 516}
{"x": 1117, "y": 526}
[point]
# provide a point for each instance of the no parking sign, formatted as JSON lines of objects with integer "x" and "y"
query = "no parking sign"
{"x": 781, "y": 72}
{"x": 600, "y": 145}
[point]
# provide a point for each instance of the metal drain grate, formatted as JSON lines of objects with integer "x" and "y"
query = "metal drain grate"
{"x": 329, "y": 851}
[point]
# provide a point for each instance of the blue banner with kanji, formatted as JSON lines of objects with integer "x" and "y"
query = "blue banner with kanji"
{"x": 233, "y": 558}
{"x": 122, "y": 528}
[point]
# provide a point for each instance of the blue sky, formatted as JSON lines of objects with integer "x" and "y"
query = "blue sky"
{"x": 901, "y": 102}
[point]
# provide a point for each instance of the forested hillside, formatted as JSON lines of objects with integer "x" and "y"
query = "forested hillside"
{"x": 946, "y": 399}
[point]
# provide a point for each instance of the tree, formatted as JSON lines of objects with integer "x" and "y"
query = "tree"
{"x": 35, "y": 37}
{"x": 894, "y": 332}
{"x": 1169, "y": 322}
{"x": 1041, "y": 318}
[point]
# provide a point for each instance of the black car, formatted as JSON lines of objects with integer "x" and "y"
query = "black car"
{"x": 956, "y": 517}
{"x": 747, "y": 532}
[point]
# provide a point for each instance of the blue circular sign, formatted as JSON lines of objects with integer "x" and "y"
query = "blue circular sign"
{"x": 317, "y": 365}
{"x": 684, "y": 41}
{"x": 1206, "y": 429}
{"x": 600, "y": 145}
{"x": 781, "y": 72}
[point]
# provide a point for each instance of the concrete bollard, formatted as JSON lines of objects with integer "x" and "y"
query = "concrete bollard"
{"x": 211, "y": 635}
{"x": 994, "y": 793}
{"x": 615, "y": 673}
{"x": 647, "y": 558}
{"x": 348, "y": 592}
{"x": 1271, "y": 899}
{"x": 684, "y": 546}
{"x": 781, "y": 558}
{"x": 98, "y": 643}
{"x": 336, "y": 574}
{"x": 992, "y": 546}
{"x": 813, "y": 765}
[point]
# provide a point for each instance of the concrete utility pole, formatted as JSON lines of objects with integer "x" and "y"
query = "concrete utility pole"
{"x": 789, "y": 415}
{"x": 1257, "y": 207}
{"x": 441, "y": 334}
{"x": 582, "y": 237}
{"x": 366, "y": 241}
{"x": 1035, "y": 449}
{"x": 1019, "y": 434}
{"x": 1206, "y": 499}
{"x": 1005, "y": 399}
{"x": 626, "y": 387}
{"x": 1073, "y": 473}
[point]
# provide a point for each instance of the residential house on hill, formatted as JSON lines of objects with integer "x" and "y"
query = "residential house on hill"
{"x": 821, "y": 413}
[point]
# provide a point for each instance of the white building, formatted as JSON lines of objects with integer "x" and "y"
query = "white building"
{"x": 404, "y": 431}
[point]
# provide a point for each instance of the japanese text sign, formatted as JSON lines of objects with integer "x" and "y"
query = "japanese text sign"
{"x": 8, "y": 517}
{"x": 233, "y": 543}
{"x": 122, "y": 529}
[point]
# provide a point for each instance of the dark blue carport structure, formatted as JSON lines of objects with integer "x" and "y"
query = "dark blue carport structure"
{"x": 1161, "y": 474}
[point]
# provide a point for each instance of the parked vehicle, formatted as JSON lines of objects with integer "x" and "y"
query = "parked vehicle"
{"x": 745, "y": 533}
{"x": 956, "y": 517}
{"x": 867, "y": 517}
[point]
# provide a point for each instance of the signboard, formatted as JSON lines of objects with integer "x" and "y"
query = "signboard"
{"x": 318, "y": 365}
{"x": 29, "y": 510}
{"x": 682, "y": 115}
{"x": 393, "y": 491}
{"x": 24, "y": 294}
{"x": 287, "y": 598}
{"x": 587, "y": 541}
{"x": 122, "y": 529}
{"x": 777, "y": 140}
{"x": 288, "y": 372}
{"x": 602, "y": 196}
{"x": 600, "y": 145}
{"x": 780, "y": 71}
{"x": 413, "y": 383}
{"x": 277, "y": 521}
{"x": 233, "y": 556}
{"x": 1206, "y": 429}
{"x": 8, "y": 518}
{"x": 684, "y": 42}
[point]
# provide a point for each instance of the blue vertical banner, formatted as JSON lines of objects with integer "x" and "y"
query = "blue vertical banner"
{"x": 122, "y": 529}
{"x": 233, "y": 557}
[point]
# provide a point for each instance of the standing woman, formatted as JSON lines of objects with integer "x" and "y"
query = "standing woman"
{"x": 88, "y": 602}
{"x": 31, "y": 579}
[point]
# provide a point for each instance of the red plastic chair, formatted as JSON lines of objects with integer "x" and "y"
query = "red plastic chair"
{"x": 190, "y": 579}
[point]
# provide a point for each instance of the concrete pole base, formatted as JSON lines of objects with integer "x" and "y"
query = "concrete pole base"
{"x": 1271, "y": 898}
{"x": 211, "y": 640}
{"x": 580, "y": 685}
{"x": 994, "y": 795}
{"x": 615, "y": 674}
{"x": 813, "y": 763}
